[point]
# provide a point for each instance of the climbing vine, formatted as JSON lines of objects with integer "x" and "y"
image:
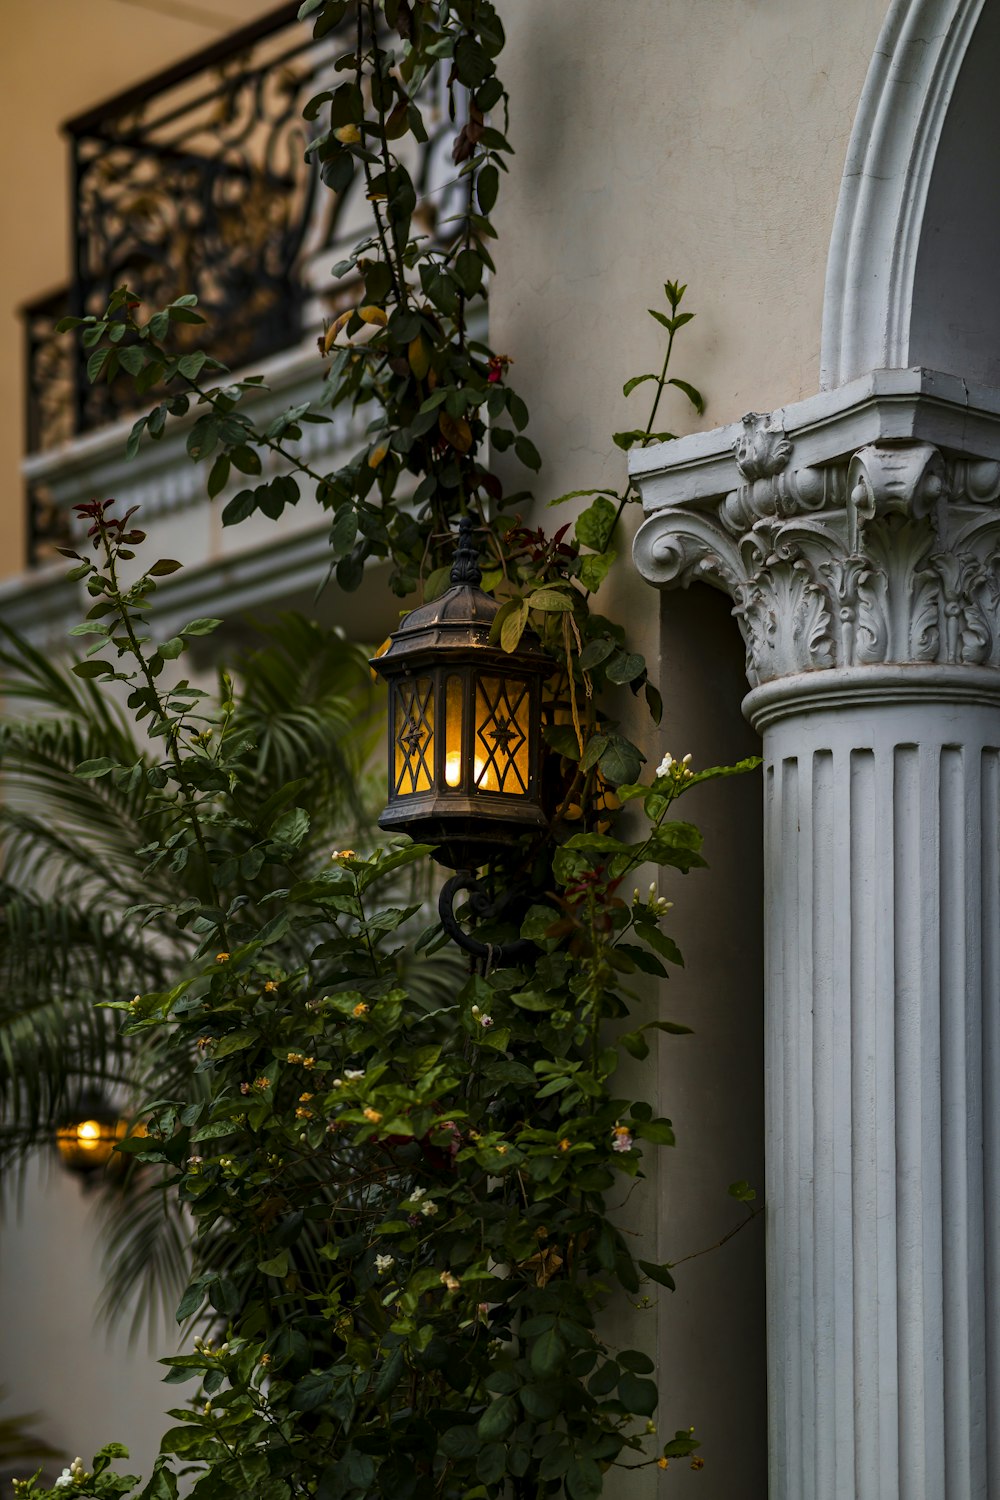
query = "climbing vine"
{"x": 407, "y": 1255}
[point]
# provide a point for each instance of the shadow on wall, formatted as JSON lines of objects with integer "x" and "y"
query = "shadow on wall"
{"x": 713, "y": 1358}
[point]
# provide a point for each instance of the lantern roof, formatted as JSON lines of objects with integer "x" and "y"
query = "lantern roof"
{"x": 458, "y": 619}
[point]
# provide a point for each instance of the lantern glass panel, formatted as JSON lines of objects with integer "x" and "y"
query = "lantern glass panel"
{"x": 413, "y": 736}
{"x": 502, "y": 729}
{"x": 454, "y": 697}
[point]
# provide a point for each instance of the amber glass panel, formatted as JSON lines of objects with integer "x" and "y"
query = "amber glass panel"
{"x": 502, "y": 726}
{"x": 453, "y": 698}
{"x": 413, "y": 736}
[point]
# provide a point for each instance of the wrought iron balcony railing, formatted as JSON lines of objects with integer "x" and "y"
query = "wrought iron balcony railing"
{"x": 196, "y": 181}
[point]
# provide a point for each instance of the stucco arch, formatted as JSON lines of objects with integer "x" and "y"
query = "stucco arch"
{"x": 911, "y": 271}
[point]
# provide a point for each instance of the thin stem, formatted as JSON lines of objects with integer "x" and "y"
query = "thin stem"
{"x": 170, "y": 731}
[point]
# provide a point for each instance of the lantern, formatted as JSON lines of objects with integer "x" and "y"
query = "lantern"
{"x": 464, "y": 723}
{"x": 87, "y": 1138}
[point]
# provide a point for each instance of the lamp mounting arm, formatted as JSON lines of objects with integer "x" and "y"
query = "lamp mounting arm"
{"x": 484, "y": 906}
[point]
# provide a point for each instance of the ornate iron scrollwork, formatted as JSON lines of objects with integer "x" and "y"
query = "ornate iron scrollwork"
{"x": 484, "y": 906}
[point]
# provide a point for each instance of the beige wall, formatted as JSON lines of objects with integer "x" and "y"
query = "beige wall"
{"x": 59, "y": 57}
{"x": 665, "y": 139}
{"x": 655, "y": 138}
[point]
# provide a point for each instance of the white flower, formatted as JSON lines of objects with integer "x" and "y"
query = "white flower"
{"x": 65, "y": 1478}
{"x": 679, "y": 769}
{"x": 384, "y": 1263}
{"x": 428, "y": 1209}
{"x": 417, "y": 1194}
{"x": 485, "y": 1022}
{"x": 353, "y": 1073}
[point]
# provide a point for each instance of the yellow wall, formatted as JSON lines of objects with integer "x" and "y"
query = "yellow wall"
{"x": 57, "y": 58}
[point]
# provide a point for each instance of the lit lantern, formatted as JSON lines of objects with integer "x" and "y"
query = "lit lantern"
{"x": 87, "y": 1139}
{"x": 464, "y": 723}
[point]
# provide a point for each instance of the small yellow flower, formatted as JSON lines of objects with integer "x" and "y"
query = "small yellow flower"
{"x": 294, "y": 1057}
{"x": 564, "y": 1144}
{"x": 347, "y": 135}
{"x": 265, "y": 1360}
{"x": 303, "y": 1114}
{"x": 372, "y": 1115}
{"x": 663, "y": 1463}
{"x": 262, "y": 1082}
{"x": 697, "y": 1463}
{"x": 269, "y": 987}
{"x": 304, "y": 1098}
{"x": 342, "y": 854}
{"x": 359, "y": 1010}
{"x": 501, "y": 1150}
{"x": 222, "y": 958}
{"x": 308, "y": 1062}
{"x": 449, "y": 1282}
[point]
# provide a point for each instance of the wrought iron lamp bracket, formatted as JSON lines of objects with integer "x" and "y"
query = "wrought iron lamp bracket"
{"x": 483, "y": 906}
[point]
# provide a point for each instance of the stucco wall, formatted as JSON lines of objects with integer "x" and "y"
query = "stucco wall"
{"x": 655, "y": 138}
{"x": 658, "y": 139}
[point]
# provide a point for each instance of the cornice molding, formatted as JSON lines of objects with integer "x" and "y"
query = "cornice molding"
{"x": 839, "y": 553}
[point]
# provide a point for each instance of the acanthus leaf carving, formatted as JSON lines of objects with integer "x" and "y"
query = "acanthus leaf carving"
{"x": 892, "y": 555}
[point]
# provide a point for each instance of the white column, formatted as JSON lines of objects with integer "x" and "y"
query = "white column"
{"x": 882, "y": 873}
{"x": 868, "y": 592}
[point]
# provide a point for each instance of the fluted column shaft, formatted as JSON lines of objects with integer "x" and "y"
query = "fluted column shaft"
{"x": 882, "y": 870}
{"x": 865, "y": 576}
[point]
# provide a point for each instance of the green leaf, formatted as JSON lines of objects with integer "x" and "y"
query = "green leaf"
{"x": 636, "y": 1361}
{"x": 514, "y": 626}
{"x": 312, "y": 1390}
{"x": 236, "y": 1041}
{"x": 344, "y": 531}
{"x": 527, "y": 453}
{"x": 548, "y": 1354}
{"x": 621, "y": 761}
{"x": 242, "y": 505}
{"x": 92, "y": 668}
{"x": 625, "y": 667}
{"x": 487, "y": 188}
{"x": 595, "y": 525}
{"x": 218, "y": 476}
{"x": 96, "y": 362}
{"x": 551, "y": 600}
{"x": 583, "y": 1478}
{"x": 276, "y": 1266}
{"x": 595, "y": 567}
{"x": 88, "y": 769}
{"x": 189, "y": 365}
{"x": 575, "y": 494}
{"x": 693, "y": 395}
{"x": 203, "y": 626}
{"x": 246, "y": 459}
{"x": 132, "y": 358}
{"x": 460, "y": 1441}
{"x": 594, "y": 652}
{"x": 659, "y": 1274}
{"x": 171, "y": 649}
{"x": 630, "y": 385}
{"x": 165, "y": 566}
{"x": 491, "y": 1463}
{"x": 640, "y": 1396}
{"x": 498, "y": 1419}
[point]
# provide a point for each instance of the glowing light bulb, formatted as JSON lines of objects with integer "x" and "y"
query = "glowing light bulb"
{"x": 453, "y": 769}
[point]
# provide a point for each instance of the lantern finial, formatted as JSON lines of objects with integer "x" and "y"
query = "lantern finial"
{"x": 465, "y": 568}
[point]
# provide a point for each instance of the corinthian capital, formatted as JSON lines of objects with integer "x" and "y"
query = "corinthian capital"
{"x": 888, "y": 553}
